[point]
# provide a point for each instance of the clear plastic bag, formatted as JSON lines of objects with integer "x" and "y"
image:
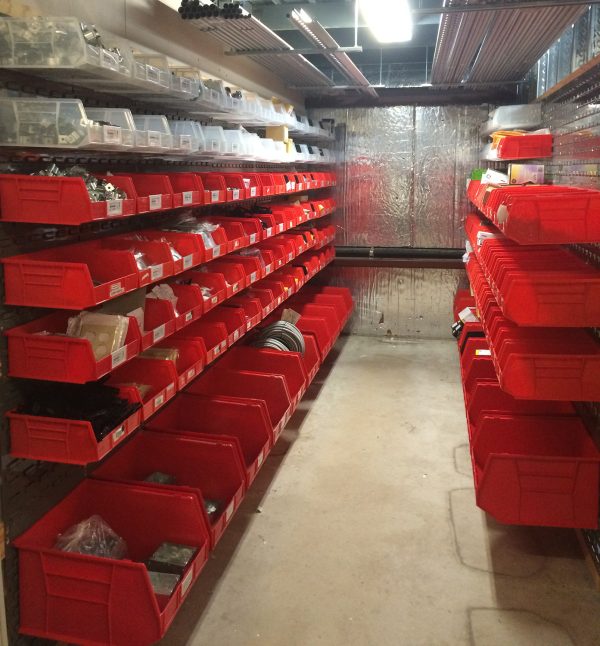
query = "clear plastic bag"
{"x": 94, "y": 537}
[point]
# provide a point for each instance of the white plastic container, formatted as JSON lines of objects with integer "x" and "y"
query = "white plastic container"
{"x": 234, "y": 143}
{"x": 514, "y": 117}
{"x": 252, "y": 145}
{"x": 53, "y": 123}
{"x": 188, "y": 137}
{"x": 156, "y": 125}
{"x": 214, "y": 138}
{"x": 120, "y": 117}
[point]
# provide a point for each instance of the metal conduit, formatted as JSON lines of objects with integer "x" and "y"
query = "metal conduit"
{"x": 487, "y": 46}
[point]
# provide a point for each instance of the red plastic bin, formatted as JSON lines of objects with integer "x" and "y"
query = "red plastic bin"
{"x": 154, "y": 191}
{"x": 188, "y": 245}
{"x": 159, "y": 377}
{"x": 245, "y": 421}
{"x": 67, "y": 441}
{"x": 59, "y": 200}
{"x": 234, "y": 273}
{"x": 536, "y": 471}
{"x": 234, "y": 319}
{"x": 40, "y": 350}
{"x": 210, "y": 468}
{"x": 245, "y": 384}
{"x": 214, "y": 281}
{"x": 215, "y": 188}
{"x": 252, "y": 307}
{"x": 84, "y": 599}
{"x": 158, "y": 256}
{"x": 75, "y": 276}
{"x": 236, "y": 188}
{"x": 525, "y": 147}
{"x": 188, "y": 189}
{"x": 288, "y": 364}
{"x": 253, "y": 185}
{"x": 191, "y": 358}
{"x": 214, "y": 335}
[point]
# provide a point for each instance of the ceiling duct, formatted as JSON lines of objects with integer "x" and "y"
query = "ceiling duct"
{"x": 321, "y": 39}
{"x": 491, "y": 46}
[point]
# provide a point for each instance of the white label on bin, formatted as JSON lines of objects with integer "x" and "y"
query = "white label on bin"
{"x": 159, "y": 401}
{"x": 229, "y": 512}
{"x": 112, "y": 135}
{"x": 214, "y": 300}
{"x": 187, "y": 582}
{"x": 261, "y": 459}
{"x": 191, "y": 373}
{"x": 114, "y": 207}
{"x": 188, "y": 317}
{"x": 118, "y": 434}
{"x": 187, "y": 261}
{"x": 236, "y": 335}
{"x": 290, "y": 186}
{"x": 170, "y": 389}
{"x": 214, "y": 144}
{"x": 217, "y": 349}
{"x": 116, "y": 289}
{"x": 252, "y": 238}
{"x": 483, "y": 353}
{"x": 280, "y": 227}
{"x": 223, "y": 345}
{"x": 235, "y": 194}
{"x": 187, "y": 197}
{"x": 236, "y": 286}
{"x": 154, "y": 138}
{"x": 253, "y": 191}
{"x": 156, "y": 272}
{"x": 235, "y": 148}
{"x": 290, "y": 257}
{"x": 118, "y": 357}
{"x": 158, "y": 333}
{"x": 270, "y": 231}
{"x": 214, "y": 196}
{"x": 253, "y": 276}
{"x": 185, "y": 142}
{"x": 155, "y": 202}
{"x": 216, "y": 252}
{"x": 268, "y": 269}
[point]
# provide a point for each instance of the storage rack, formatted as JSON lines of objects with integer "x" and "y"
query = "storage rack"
{"x": 47, "y": 459}
{"x": 527, "y": 355}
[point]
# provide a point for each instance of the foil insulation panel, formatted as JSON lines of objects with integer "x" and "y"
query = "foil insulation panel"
{"x": 403, "y": 174}
{"x": 399, "y": 303}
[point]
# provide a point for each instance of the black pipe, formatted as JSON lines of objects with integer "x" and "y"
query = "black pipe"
{"x": 399, "y": 252}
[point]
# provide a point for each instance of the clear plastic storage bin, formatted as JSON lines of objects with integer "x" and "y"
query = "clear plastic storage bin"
{"x": 157, "y": 127}
{"x": 63, "y": 47}
{"x": 512, "y": 117}
{"x": 234, "y": 143}
{"x": 214, "y": 136}
{"x": 188, "y": 136}
{"x": 53, "y": 123}
{"x": 120, "y": 117}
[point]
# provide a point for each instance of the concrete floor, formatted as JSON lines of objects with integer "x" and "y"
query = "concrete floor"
{"x": 362, "y": 530}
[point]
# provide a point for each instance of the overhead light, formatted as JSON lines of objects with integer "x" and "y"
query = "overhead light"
{"x": 390, "y": 21}
{"x": 300, "y": 14}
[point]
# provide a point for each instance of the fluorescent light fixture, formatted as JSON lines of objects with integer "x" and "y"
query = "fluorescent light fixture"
{"x": 390, "y": 21}
{"x": 300, "y": 14}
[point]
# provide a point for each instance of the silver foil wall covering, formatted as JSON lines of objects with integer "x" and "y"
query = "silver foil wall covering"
{"x": 403, "y": 180}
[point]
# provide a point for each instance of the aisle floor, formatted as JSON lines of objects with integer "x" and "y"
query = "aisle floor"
{"x": 362, "y": 530}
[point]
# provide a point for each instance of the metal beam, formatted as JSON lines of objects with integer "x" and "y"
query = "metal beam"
{"x": 293, "y": 52}
{"x": 512, "y": 6}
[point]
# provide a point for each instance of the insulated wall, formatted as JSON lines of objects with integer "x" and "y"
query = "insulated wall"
{"x": 402, "y": 180}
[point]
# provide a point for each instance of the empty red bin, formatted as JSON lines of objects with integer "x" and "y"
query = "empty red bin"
{"x": 66, "y": 441}
{"x": 70, "y": 277}
{"x": 279, "y": 183}
{"x": 151, "y": 382}
{"x": 253, "y": 184}
{"x": 288, "y": 364}
{"x": 155, "y": 192}
{"x": 214, "y": 335}
{"x": 324, "y": 300}
{"x": 234, "y": 319}
{"x": 188, "y": 189}
{"x": 318, "y": 328}
{"x": 40, "y": 350}
{"x": 533, "y": 470}
{"x": 236, "y": 188}
{"x": 265, "y": 296}
{"x": 59, "y": 200}
{"x": 277, "y": 288}
{"x": 234, "y": 273}
{"x": 525, "y": 147}
{"x": 245, "y": 421}
{"x": 215, "y": 188}
{"x": 267, "y": 184}
{"x": 211, "y": 468}
{"x": 278, "y": 250}
{"x": 78, "y": 598}
{"x": 253, "y": 267}
{"x": 252, "y": 307}
{"x": 245, "y": 384}
{"x": 159, "y": 321}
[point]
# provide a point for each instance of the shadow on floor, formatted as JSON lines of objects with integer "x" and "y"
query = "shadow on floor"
{"x": 200, "y": 597}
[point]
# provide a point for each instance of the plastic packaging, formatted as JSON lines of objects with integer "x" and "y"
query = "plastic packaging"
{"x": 106, "y": 332}
{"x": 93, "y": 537}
